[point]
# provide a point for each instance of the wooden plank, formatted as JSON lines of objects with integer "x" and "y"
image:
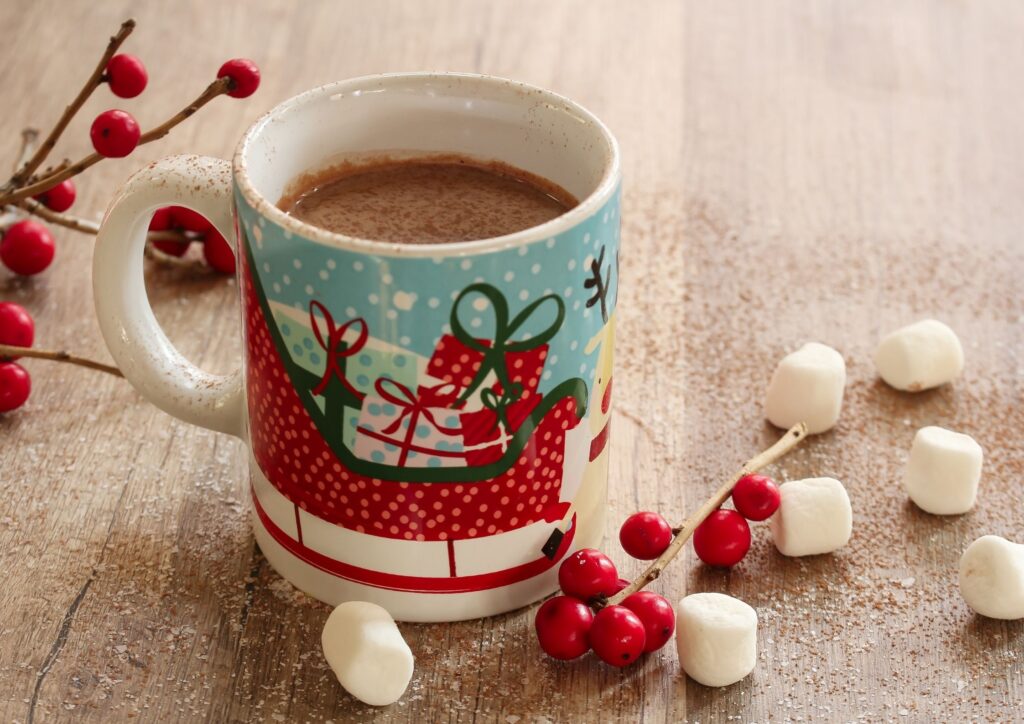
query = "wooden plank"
{"x": 794, "y": 171}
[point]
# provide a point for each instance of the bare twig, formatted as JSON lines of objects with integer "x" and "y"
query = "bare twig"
{"x": 72, "y": 222}
{"x": 29, "y": 137}
{"x": 91, "y": 84}
{"x": 787, "y": 442}
{"x": 216, "y": 88}
{"x": 9, "y": 350}
{"x": 86, "y": 226}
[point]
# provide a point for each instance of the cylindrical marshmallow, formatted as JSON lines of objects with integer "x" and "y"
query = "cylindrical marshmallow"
{"x": 920, "y": 356}
{"x": 814, "y": 516}
{"x": 716, "y": 637}
{"x": 807, "y": 386}
{"x": 992, "y": 577}
{"x": 943, "y": 471}
{"x": 366, "y": 650}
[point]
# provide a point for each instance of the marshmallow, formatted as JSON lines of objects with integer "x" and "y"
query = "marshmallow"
{"x": 366, "y": 650}
{"x": 814, "y": 516}
{"x": 920, "y": 356}
{"x": 807, "y": 386}
{"x": 943, "y": 471}
{"x": 992, "y": 577}
{"x": 716, "y": 638}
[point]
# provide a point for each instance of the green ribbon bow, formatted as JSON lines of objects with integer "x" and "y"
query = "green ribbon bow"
{"x": 502, "y": 344}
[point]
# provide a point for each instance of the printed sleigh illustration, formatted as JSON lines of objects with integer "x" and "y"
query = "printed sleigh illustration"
{"x": 463, "y": 474}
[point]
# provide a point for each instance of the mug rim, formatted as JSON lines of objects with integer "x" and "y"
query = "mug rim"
{"x": 585, "y": 209}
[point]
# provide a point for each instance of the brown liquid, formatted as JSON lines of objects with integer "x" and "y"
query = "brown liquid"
{"x": 431, "y": 200}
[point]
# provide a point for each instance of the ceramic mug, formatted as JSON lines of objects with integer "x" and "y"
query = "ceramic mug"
{"x": 427, "y": 423}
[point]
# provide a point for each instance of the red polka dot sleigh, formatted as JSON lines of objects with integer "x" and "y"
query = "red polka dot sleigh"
{"x": 461, "y": 477}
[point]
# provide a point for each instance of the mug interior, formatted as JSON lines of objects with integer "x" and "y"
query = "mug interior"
{"x": 429, "y": 113}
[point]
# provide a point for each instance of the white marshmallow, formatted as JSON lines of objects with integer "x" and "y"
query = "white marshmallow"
{"x": 366, "y": 650}
{"x": 943, "y": 471}
{"x": 814, "y": 517}
{"x": 807, "y": 386}
{"x": 920, "y": 356}
{"x": 716, "y": 637}
{"x": 992, "y": 577}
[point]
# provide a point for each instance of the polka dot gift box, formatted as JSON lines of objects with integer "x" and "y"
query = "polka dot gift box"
{"x": 428, "y": 424}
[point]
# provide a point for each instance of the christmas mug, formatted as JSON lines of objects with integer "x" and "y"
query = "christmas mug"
{"x": 427, "y": 423}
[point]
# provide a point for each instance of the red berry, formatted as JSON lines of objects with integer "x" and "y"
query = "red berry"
{"x": 115, "y": 133}
{"x": 645, "y": 536}
{"x": 588, "y": 573}
{"x": 16, "y": 326}
{"x": 722, "y": 539}
{"x": 619, "y": 585}
{"x": 244, "y": 74}
{"x": 657, "y": 616}
{"x": 218, "y": 252}
{"x": 60, "y": 197}
{"x": 756, "y": 497}
{"x": 126, "y": 75}
{"x": 27, "y": 248}
{"x": 617, "y": 635}
{"x": 562, "y": 625}
{"x": 162, "y": 221}
{"x": 15, "y": 386}
{"x": 188, "y": 220}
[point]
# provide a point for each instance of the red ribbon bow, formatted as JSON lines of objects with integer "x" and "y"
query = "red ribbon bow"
{"x": 416, "y": 404}
{"x": 335, "y": 347}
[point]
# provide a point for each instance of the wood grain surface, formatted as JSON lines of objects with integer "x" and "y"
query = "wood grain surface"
{"x": 794, "y": 171}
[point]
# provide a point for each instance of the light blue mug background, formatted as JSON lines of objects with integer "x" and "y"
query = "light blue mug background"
{"x": 293, "y": 271}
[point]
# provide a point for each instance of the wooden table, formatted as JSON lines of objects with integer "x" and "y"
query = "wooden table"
{"x": 794, "y": 171}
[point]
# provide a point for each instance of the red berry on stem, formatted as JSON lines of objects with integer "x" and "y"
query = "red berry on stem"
{"x": 60, "y": 197}
{"x": 16, "y": 326}
{"x": 722, "y": 539}
{"x": 15, "y": 386}
{"x": 756, "y": 497}
{"x": 617, "y": 635}
{"x": 217, "y": 252}
{"x": 244, "y": 75}
{"x": 588, "y": 573}
{"x": 657, "y": 616}
{"x": 645, "y": 535}
{"x": 619, "y": 585}
{"x": 563, "y": 624}
{"x": 162, "y": 221}
{"x": 126, "y": 75}
{"x": 27, "y": 248}
{"x": 115, "y": 133}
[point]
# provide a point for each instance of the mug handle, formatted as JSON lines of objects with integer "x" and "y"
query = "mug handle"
{"x": 138, "y": 345}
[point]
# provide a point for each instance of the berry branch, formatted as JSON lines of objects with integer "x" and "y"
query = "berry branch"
{"x": 10, "y": 350}
{"x": 783, "y": 445}
{"x": 27, "y": 247}
{"x": 94, "y": 81}
{"x": 599, "y": 611}
{"x": 219, "y": 87}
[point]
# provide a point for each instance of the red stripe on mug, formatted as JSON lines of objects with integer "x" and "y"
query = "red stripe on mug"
{"x": 412, "y": 584}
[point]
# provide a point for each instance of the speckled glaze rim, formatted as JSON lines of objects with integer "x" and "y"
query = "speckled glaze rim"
{"x": 587, "y": 207}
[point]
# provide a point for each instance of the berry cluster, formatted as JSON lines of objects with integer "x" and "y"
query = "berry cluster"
{"x": 16, "y": 328}
{"x": 567, "y": 626}
{"x": 27, "y": 247}
{"x": 188, "y": 227}
{"x": 723, "y": 539}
